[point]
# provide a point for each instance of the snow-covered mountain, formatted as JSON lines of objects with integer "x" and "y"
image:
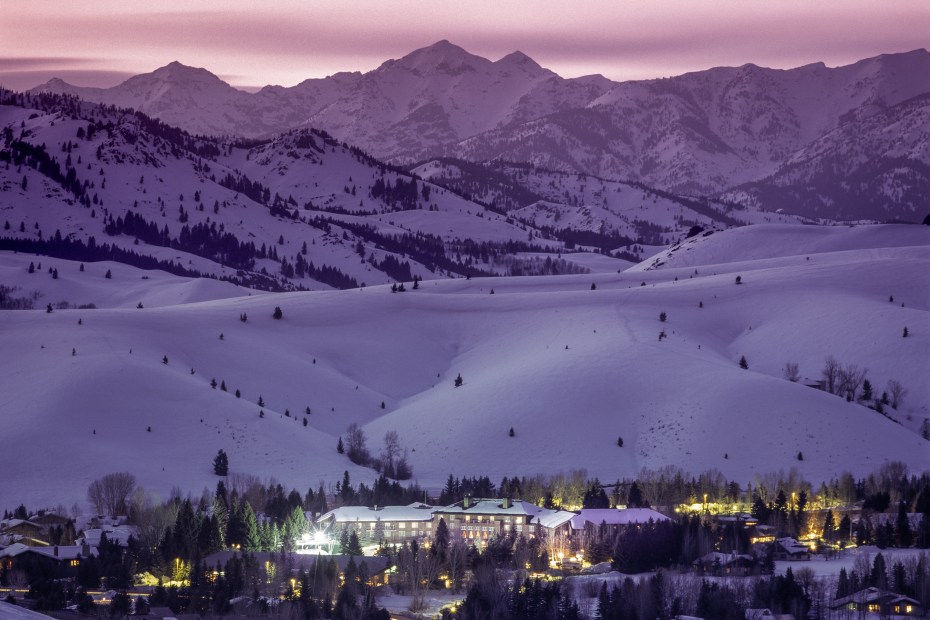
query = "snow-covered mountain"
{"x": 432, "y": 96}
{"x": 700, "y": 133}
{"x": 570, "y": 369}
{"x": 303, "y": 210}
{"x": 707, "y": 131}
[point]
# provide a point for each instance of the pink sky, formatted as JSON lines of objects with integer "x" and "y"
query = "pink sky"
{"x": 252, "y": 43}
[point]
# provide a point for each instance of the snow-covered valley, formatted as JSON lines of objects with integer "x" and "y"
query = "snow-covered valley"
{"x": 571, "y": 363}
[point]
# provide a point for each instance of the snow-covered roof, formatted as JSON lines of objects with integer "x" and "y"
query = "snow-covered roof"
{"x": 61, "y": 552}
{"x": 553, "y": 518}
{"x": 494, "y": 506}
{"x": 872, "y": 595}
{"x": 11, "y": 523}
{"x": 792, "y": 546}
{"x": 611, "y": 516}
{"x": 119, "y": 534}
{"x": 416, "y": 511}
{"x": 724, "y": 558}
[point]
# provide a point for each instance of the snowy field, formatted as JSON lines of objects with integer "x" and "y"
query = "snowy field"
{"x": 570, "y": 369}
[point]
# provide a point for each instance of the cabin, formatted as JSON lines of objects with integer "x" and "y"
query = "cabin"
{"x": 722, "y": 564}
{"x": 58, "y": 560}
{"x": 874, "y": 602}
{"x": 790, "y": 549}
{"x": 22, "y": 527}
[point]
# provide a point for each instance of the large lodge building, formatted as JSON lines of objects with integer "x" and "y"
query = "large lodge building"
{"x": 473, "y": 521}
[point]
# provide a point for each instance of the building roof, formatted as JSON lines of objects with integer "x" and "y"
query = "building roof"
{"x": 724, "y": 558}
{"x": 792, "y": 546}
{"x": 491, "y": 506}
{"x": 612, "y": 516}
{"x": 58, "y": 552}
{"x": 553, "y": 518}
{"x": 118, "y": 534}
{"x": 357, "y": 514}
{"x": 545, "y": 517}
{"x": 873, "y": 595}
{"x": 11, "y": 523}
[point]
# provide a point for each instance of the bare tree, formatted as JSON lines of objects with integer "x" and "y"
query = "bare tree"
{"x": 110, "y": 494}
{"x": 831, "y": 370}
{"x": 356, "y": 449}
{"x": 849, "y": 380}
{"x": 791, "y": 372}
{"x": 457, "y": 559}
{"x": 897, "y": 393}
{"x": 418, "y": 568}
{"x": 390, "y": 453}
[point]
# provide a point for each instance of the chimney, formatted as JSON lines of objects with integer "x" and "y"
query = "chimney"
{"x": 506, "y": 503}
{"x": 466, "y": 503}
{"x": 56, "y": 551}
{"x": 85, "y": 550}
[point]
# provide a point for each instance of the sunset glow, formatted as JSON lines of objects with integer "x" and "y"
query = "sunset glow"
{"x": 252, "y": 44}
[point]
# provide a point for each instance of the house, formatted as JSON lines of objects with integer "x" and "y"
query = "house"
{"x": 475, "y": 520}
{"x": 881, "y": 603}
{"x": 790, "y": 549}
{"x": 717, "y": 563}
{"x": 21, "y": 527}
{"x": 61, "y": 560}
{"x": 762, "y": 534}
{"x": 741, "y": 518}
{"x": 388, "y": 524}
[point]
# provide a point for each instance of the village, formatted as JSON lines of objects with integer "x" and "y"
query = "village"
{"x": 424, "y": 558}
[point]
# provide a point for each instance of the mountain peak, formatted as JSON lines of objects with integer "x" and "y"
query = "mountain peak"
{"x": 519, "y": 60}
{"x": 442, "y": 56}
{"x": 175, "y": 70}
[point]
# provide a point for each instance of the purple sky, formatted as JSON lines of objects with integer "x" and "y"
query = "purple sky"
{"x": 252, "y": 43}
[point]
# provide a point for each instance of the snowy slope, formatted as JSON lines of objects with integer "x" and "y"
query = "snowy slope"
{"x": 306, "y": 189}
{"x": 569, "y": 368}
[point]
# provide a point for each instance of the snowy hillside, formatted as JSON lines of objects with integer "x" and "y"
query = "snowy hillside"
{"x": 587, "y": 209}
{"x": 569, "y": 368}
{"x": 300, "y": 211}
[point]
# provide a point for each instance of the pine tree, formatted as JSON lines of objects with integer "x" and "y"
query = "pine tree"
{"x": 340, "y": 448}
{"x": 663, "y": 316}
{"x": 108, "y": 275}
{"x": 903, "y": 537}
{"x": 458, "y": 380}
{"x": 164, "y": 360}
{"x": 278, "y": 314}
{"x": 905, "y": 333}
{"x": 619, "y": 442}
{"x": 743, "y": 363}
{"x": 221, "y": 463}
{"x": 511, "y": 433}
